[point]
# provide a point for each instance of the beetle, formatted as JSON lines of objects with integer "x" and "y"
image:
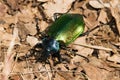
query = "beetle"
{"x": 66, "y": 29}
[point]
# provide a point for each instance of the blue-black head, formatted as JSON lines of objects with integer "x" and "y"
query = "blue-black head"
{"x": 50, "y": 45}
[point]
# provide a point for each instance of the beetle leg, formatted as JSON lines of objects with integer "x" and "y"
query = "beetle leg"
{"x": 32, "y": 52}
{"x": 59, "y": 57}
{"x": 87, "y": 32}
{"x": 38, "y": 45}
{"x": 83, "y": 57}
{"x": 56, "y": 15}
{"x": 43, "y": 57}
{"x": 35, "y": 51}
{"x": 79, "y": 55}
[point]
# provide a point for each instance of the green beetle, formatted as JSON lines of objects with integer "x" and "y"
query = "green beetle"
{"x": 65, "y": 29}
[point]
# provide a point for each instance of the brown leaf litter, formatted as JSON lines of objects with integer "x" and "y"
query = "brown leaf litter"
{"x": 101, "y": 44}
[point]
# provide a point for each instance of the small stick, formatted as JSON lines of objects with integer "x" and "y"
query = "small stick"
{"x": 94, "y": 47}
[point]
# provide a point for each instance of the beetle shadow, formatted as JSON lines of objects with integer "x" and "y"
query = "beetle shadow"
{"x": 39, "y": 55}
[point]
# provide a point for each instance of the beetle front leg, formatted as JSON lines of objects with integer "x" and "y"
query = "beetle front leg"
{"x": 35, "y": 51}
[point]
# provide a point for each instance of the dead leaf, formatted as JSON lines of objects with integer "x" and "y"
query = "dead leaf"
{"x": 100, "y": 63}
{"x": 24, "y": 12}
{"x": 115, "y": 13}
{"x": 22, "y": 31}
{"x": 115, "y": 58}
{"x": 114, "y": 3}
{"x": 58, "y": 6}
{"x": 27, "y": 14}
{"x": 95, "y": 73}
{"x": 32, "y": 40}
{"x": 3, "y": 10}
{"x": 90, "y": 18}
{"x": 96, "y": 4}
{"x": 31, "y": 27}
{"x": 77, "y": 7}
{"x": 103, "y": 17}
{"x": 13, "y": 4}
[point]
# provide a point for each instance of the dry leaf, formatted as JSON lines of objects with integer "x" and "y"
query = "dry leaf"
{"x": 13, "y": 4}
{"x": 31, "y": 27}
{"x": 115, "y": 13}
{"x": 115, "y": 58}
{"x": 94, "y": 11}
{"x": 90, "y": 18}
{"x": 23, "y": 32}
{"x": 114, "y": 3}
{"x": 32, "y": 40}
{"x": 3, "y": 9}
{"x": 103, "y": 16}
{"x": 95, "y": 73}
{"x": 96, "y": 4}
{"x": 58, "y": 6}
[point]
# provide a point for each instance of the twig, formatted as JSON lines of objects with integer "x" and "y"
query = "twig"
{"x": 94, "y": 47}
{"x": 25, "y": 73}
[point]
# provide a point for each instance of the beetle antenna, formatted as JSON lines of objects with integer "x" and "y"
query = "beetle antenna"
{"x": 86, "y": 33}
{"x": 38, "y": 28}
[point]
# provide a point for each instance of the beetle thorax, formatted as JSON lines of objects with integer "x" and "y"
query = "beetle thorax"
{"x": 51, "y": 45}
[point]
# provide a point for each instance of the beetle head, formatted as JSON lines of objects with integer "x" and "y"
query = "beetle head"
{"x": 50, "y": 45}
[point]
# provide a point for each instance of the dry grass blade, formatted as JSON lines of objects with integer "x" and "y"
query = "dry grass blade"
{"x": 94, "y": 47}
{"x": 9, "y": 56}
